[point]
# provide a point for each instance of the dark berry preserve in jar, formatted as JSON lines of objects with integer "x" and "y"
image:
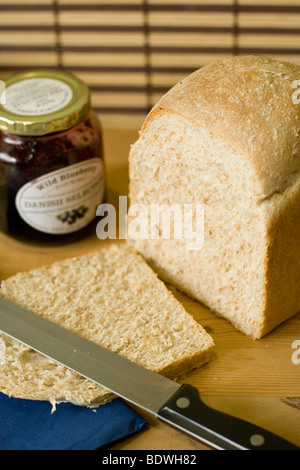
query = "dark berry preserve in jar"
{"x": 52, "y": 176}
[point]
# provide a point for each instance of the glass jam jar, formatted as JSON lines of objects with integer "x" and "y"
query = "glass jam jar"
{"x": 52, "y": 175}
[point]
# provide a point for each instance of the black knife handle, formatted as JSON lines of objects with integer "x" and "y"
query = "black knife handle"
{"x": 186, "y": 411}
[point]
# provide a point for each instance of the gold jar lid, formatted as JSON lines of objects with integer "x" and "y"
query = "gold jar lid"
{"x": 40, "y": 102}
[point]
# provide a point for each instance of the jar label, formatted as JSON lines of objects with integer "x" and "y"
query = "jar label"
{"x": 63, "y": 201}
{"x": 37, "y": 96}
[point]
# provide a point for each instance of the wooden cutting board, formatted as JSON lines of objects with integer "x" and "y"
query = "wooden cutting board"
{"x": 254, "y": 380}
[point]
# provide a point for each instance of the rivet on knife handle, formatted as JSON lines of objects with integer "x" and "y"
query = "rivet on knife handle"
{"x": 186, "y": 411}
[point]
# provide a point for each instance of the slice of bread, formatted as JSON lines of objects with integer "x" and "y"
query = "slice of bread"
{"x": 113, "y": 298}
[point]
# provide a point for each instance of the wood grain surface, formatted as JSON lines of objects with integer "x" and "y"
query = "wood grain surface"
{"x": 254, "y": 380}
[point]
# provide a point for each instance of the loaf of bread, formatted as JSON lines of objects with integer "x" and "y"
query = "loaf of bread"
{"x": 113, "y": 298}
{"x": 228, "y": 137}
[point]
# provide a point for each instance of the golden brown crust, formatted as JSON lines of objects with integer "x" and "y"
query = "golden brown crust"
{"x": 248, "y": 102}
{"x": 282, "y": 258}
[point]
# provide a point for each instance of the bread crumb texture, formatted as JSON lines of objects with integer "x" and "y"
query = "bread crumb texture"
{"x": 112, "y": 298}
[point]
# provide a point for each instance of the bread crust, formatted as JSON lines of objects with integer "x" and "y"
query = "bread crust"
{"x": 248, "y": 102}
{"x": 282, "y": 257}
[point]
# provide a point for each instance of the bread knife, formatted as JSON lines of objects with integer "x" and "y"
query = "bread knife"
{"x": 177, "y": 405}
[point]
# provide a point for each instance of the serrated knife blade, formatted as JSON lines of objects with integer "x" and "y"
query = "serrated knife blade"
{"x": 177, "y": 405}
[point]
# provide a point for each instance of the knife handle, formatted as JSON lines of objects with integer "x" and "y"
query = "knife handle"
{"x": 186, "y": 411}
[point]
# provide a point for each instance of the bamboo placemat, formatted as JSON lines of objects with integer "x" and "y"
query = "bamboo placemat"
{"x": 130, "y": 52}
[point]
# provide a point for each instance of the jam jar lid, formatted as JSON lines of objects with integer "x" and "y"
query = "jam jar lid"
{"x": 40, "y": 102}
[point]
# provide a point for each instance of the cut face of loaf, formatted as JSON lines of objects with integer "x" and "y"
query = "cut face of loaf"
{"x": 227, "y": 137}
{"x": 113, "y": 298}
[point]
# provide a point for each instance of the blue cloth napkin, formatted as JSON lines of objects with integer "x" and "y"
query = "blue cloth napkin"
{"x": 29, "y": 425}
